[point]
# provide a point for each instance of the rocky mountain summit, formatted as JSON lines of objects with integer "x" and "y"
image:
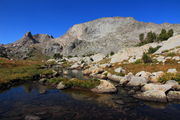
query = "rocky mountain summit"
{"x": 27, "y": 45}
{"x": 103, "y": 35}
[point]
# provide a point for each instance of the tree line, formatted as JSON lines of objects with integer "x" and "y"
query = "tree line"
{"x": 153, "y": 37}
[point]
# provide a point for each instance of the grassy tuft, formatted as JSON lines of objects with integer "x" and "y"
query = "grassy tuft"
{"x": 170, "y": 76}
{"x": 20, "y": 70}
{"x": 91, "y": 83}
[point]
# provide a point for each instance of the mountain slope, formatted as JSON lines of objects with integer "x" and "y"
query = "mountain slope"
{"x": 107, "y": 34}
{"x": 98, "y": 36}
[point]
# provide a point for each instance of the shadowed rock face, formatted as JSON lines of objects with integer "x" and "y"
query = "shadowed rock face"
{"x": 29, "y": 43}
{"x": 99, "y": 36}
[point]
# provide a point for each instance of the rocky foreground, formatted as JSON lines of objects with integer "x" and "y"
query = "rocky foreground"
{"x": 155, "y": 81}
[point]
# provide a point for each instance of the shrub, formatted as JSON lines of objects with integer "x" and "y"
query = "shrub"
{"x": 141, "y": 37}
{"x": 153, "y": 37}
{"x": 138, "y": 61}
{"x": 146, "y": 58}
{"x": 153, "y": 50}
{"x": 112, "y": 53}
{"x": 171, "y": 54}
{"x": 57, "y": 56}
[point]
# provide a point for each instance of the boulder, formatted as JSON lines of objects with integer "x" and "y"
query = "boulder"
{"x": 172, "y": 71}
{"x": 94, "y": 70}
{"x": 61, "y": 86}
{"x": 143, "y": 74}
{"x": 161, "y": 59}
{"x": 98, "y": 70}
{"x": 173, "y": 83}
{"x": 114, "y": 77}
{"x": 51, "y": 60}
{"x": 155, "y": 76}
{"x": 104, "y": 87}
{"x": 105, "y": 65}
{"x": 65, "y": 72}
{"x": 120, "y": 70}
{"x": 173, "y": 95}
{"x": 171, "y": 43}
{"x": 100, "y": 76}
{"x": 75, "y": 66}
{"x": 126, "y": 79}
{"x": 152, "y": 95}
{"x": 98, "y": 57}
{"x": 137, "y": 81}
{"x": 133, "y": 59}
{"x": 177, "y": 58}
{"x": 159, "y": 87}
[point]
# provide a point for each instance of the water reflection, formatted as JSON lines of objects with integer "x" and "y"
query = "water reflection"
{"x": 29, "y": 99}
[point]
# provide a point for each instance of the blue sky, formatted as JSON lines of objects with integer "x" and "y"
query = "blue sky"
{"x": 55, "y": 17}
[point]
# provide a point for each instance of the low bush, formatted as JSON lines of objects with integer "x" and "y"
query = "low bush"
{"x": 138, "y": 61}
{"x": 153, "y": 50}
{"x": 171, "y": 54}
{"x": 146, "y": 58}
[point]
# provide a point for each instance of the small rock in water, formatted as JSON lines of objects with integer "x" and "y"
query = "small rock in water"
{"x": 173, "y": 95}
{"x": 32, "y": 117}
{"x": 104, "y": 87}
{"x": 61, "y": 86}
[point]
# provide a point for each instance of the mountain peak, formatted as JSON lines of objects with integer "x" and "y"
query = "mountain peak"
{"x": 28, "y": 34}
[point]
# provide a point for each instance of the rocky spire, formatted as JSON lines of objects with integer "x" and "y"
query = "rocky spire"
{"x": 28, "y": 35}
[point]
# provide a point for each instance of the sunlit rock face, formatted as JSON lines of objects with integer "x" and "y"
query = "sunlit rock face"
{"x": 98, "y": 36}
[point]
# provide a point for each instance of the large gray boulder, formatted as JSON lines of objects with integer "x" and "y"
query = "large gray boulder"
{"x": 143, "y": 74}
{"x": 97, "y": 57}
{"x": 126, "y": 79}
{"x": 114, "y": 77}
{"x": 120, "y": 70}
{"x": 137, "y": 81}
{"x": 104, "y": 87}
{"x": 152, "y": 95}
{"x": 155, "y": 76}
{"x": 173, "y": 83}
{"x": 159, "y": 87}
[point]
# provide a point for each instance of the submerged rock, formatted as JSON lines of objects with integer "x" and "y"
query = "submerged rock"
{"x": 173, "y": 95}
{"x": 104, "y": 87}
{"x": 152, "y": 95}
{"x": 32, "y": 117}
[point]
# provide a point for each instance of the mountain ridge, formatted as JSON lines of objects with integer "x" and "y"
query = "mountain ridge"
{"x": 103, "y": 35}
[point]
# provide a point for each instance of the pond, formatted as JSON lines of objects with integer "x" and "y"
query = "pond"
{"x": 34, "y": 100}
